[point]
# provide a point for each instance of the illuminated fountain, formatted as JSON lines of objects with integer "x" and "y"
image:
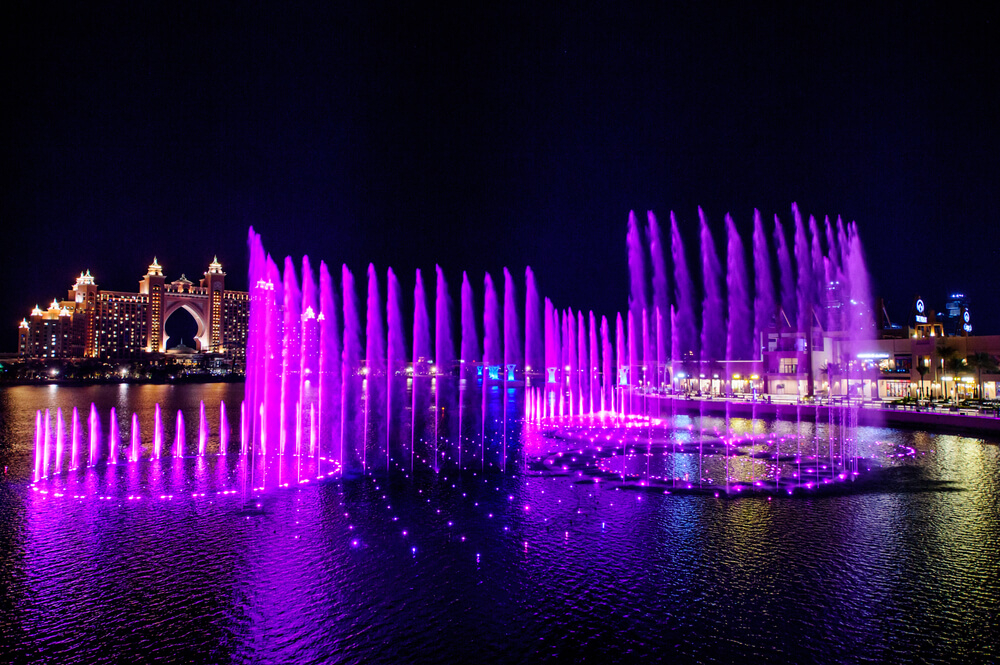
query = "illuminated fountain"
{"x": 327, "y": 395}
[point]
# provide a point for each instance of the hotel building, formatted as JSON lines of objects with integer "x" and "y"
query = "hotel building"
{"x": 114, "y": 325}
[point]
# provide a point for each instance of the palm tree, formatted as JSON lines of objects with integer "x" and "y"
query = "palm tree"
{"x": 950, "y": 362}
{"x": 983, "y": 362}
{"x": 922, "y": 370}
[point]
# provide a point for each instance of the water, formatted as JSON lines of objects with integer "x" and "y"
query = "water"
{"x": 522, "y": 566}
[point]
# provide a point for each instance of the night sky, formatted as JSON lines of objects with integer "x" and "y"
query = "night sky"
{"x": 475, "y": 138}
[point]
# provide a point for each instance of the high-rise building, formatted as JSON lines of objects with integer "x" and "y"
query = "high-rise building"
{"x": 957, "y": 321}
{"x": 118, "y": 324}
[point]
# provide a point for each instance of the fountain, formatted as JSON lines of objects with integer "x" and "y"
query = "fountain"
{"x": 322, "y": 400}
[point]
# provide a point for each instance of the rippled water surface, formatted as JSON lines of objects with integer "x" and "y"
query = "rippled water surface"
{"x": 493, "y": 566}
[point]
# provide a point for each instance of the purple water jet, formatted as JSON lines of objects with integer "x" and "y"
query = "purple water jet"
{"x": 374, "y": 368}
{"x": 685, "y": 338}
{"x": 534, "y": 343}
{"x": 179, "y": 435}
{"x": 351, "y": 359}
{"x": 740, "y": 323}
{"x": 805, "y": 284}
{"x": 135, "y": 450}
{"x": 786, "y": 275}
{"x": 395, "y": 361}
{"x": 661, "y": 292}
{"x": 492, "y": 351}
{"x": 763, "y": 303}
{"x": 637, "y": 278}
{"x": 713, "y": 325}
{"x": 511, "y": 325}
{"x": 470, "y": 335}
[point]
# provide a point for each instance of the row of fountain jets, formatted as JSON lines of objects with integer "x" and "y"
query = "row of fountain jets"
{"x": 307, "y": 352}
{"x": 52, "y": 446}
{"x": 311, "y": 381}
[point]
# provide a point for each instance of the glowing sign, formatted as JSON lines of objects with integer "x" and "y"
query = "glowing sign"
{"x": 920, "y": 305}
{"x": 873, "y": 356}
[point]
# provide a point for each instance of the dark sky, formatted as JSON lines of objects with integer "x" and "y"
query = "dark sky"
{"x": 477, "y": 138}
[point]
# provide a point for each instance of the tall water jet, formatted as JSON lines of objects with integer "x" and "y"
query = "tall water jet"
{"x": 818, "y": 269}
{"x": 135, "y": 450}
{"x": 763, "y": 301}
{"x": 833, "y": 278}
{"x": 581, "y": 363}
{"x": 444, "y": 350}
{"x": 38, "y": 446}
{"x": 566, "y": 351}
{"x": 329, "y": 360}
{"x": 861, "y": 323}
{"x": 551, "y": 356}
{"x": 594, "y": 367}
{"x": 637, "y": 282}
{"x": 179, "y": 435}
{"x": 661, "y": 292}
{"x": 571, "y": 361}
{"x": 47, "y": 442}
{"x": 805, "y": 291}
{"x": 805, "y": 286}
{"x": 832, "y": 250}
{"x": 157, "y": 432}
{"x": 244, "y": 428}
{"x": 223, "y": 429}
{"x": 470, "y": 336}
{"x": 534, "y": 344}
{"x": 60, "y": 439}
{"x": 713, "y": 325}
{"x": 844, "y": 245}
{"x": 421, "y": 352}
{"x": 395, "y": 361}
{"x": 786, "y": 275}
{"x": 309, "y": 338}
{"x": 492, "y": 351}
{"x": 113, "y": 437}
{"x": 74, "y": 454}
{"x": 202, "y": 430}
{"x": 351, "y": 366}
{"x": 94, "y": 426}
{"x": 271, "y": 405}
{"x": 621, "y": 355}
{"x": 374, "y": 366}
{"x": 740, "y": 324}
{"x": 511, "y": 325}
{"x": 291, "y": 348}
{"x": 684, "y": 340}
{"x": 634, "y": 361}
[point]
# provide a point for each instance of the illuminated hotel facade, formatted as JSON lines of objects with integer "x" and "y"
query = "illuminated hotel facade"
{"x": 114, "y": 325}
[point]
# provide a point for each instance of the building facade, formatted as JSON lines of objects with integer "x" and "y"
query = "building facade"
{"x": 113, "y": 325}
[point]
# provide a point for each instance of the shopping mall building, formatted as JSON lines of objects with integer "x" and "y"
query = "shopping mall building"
{"x": 930, "y": 357}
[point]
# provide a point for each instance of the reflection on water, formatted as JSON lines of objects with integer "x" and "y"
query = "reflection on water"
{"x": 504, "y": 562}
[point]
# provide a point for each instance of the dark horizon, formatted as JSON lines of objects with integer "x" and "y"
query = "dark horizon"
{"x": 483, "y": 138}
